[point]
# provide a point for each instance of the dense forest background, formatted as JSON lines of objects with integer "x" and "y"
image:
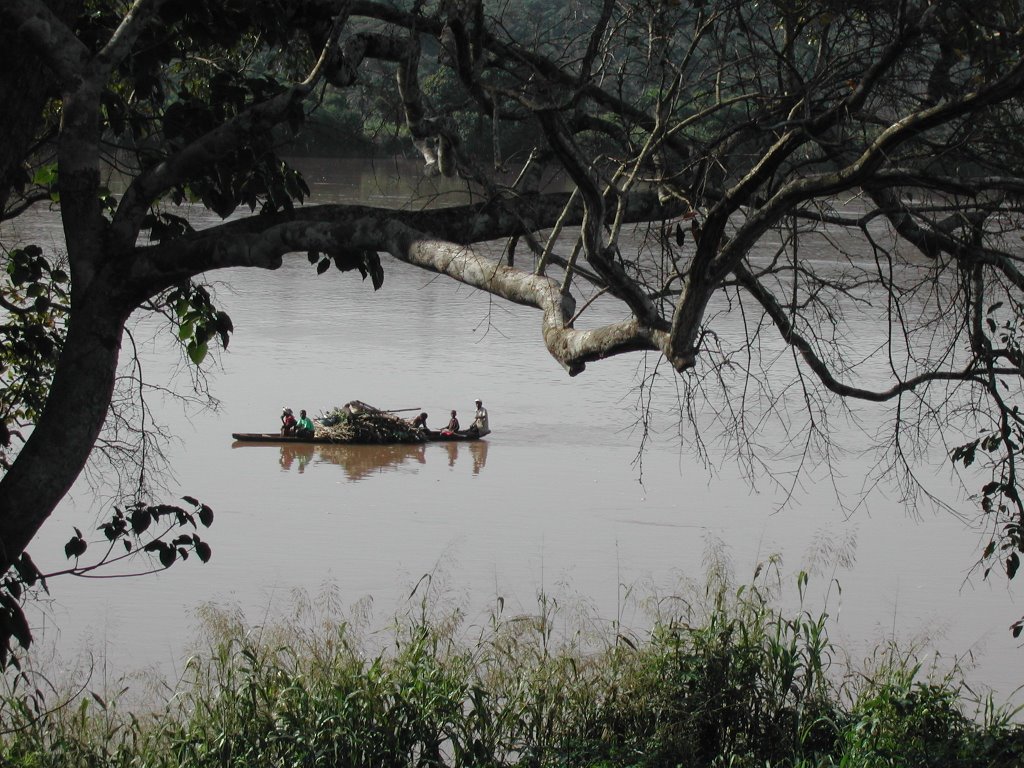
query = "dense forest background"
{"x": 368, "y": 119}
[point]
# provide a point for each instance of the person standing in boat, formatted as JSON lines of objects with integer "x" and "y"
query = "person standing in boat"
{"x": 453, "y": 426}
{"x": 305, "y": 426}
{"x": 287, "y": 422}
{"x": 481, "y": 426}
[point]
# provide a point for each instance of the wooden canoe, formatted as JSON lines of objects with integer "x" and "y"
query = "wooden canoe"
{"x": 436, "y": 437}
{"x": 431, "y": 436}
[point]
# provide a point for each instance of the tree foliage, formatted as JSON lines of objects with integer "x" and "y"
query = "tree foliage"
{"x": 886, "y": 134}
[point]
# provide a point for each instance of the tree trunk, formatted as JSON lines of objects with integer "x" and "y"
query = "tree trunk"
{"x": 59, "y": 446}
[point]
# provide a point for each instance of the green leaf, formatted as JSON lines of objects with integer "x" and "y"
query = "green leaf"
{"x": 27, "y": 569}
{"x": 197, "y": 352}
{"x": 45, "y": 175}
{"x": 140, "y": 520}
{"x": 224, "y": 327}
{"x": 205, "y": 516}
{"x": 203, "y": 333}
{"x": 203, "y": 551}
{"x": 19, "y": 273}
{"x": 18, "y": 623}
{"x": 75, "y": 547}
{"x": 167, "y": 556}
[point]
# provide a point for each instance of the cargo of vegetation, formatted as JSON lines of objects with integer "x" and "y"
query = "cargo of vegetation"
{"x": 364, "y": 424}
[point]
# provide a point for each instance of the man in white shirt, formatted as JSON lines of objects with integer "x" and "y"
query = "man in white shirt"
{"x": 480, "y": 423}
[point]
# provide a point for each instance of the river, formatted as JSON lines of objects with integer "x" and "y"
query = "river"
{"x": 559, "y": 499}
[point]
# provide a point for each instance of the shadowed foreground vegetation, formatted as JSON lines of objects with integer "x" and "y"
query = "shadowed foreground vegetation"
{"x": 728, "y": 680}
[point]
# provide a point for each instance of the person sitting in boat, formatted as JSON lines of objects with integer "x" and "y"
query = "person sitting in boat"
{"x": 480, "y": 426}
{"x": 287, "y": 422}
{"x": 453, "y": 426}
{"x": 305, "y": 426}
{"x": 420, "y": 423}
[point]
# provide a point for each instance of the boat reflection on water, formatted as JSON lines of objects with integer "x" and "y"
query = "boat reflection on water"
{"x": 361, "y": 461}
{"x": 477, "y": 449}
{"x": 358, "y": 461}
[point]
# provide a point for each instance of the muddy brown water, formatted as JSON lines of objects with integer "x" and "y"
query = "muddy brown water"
{"x": 559, "y": 499}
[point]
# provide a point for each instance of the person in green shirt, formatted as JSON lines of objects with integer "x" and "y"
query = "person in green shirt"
{"x": 305, "y": 426}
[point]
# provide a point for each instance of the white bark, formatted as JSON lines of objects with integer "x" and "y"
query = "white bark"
{"x": 570, "y": 347}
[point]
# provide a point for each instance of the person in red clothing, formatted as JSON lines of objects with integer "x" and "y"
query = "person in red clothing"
{"x": 453, "y": 426}
{"x": 287, "y": 422}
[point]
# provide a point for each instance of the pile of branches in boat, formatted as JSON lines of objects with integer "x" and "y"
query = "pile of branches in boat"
{"x": 357, "y": 422}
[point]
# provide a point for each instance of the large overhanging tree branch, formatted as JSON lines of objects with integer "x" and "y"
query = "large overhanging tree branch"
{"x": 572, "y": 348}
{"x": 436, "y": 240}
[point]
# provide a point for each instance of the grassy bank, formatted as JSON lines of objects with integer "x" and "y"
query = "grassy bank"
{"x": 725, "y": 680}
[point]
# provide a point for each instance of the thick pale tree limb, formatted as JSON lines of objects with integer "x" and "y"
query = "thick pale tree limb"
{"x": 570, "y": 347}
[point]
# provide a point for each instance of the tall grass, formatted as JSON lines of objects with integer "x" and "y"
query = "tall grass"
{"x": 726, "y": 680}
